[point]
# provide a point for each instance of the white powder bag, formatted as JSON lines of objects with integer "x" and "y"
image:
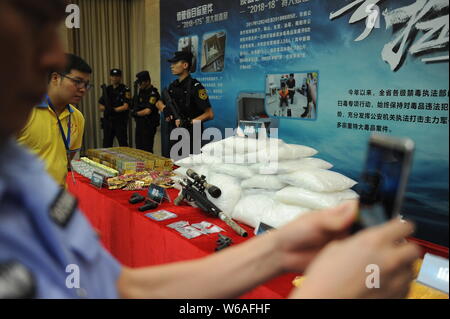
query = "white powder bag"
{"x": 318, "y": 180}
{"x": 286, "y": 152}
{"x": 251, "y": 209}
{"x": 239, "y": 171}
{"x": 263, "y": 181}
{"x": 258, "y": 191}
{"x": 305, "y": 198}
{"x": 231, "y": 192}
{"x": 282, "y": 214}
{"x": 286, "y": 167}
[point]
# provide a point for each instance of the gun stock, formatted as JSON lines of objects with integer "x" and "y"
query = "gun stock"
{"x": 197, "y": 196}
{"x": 179, "y": 199}
{"x": 108, "y": 107}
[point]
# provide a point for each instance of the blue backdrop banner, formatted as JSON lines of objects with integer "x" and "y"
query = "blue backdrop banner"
{"x": 329, "y": 74}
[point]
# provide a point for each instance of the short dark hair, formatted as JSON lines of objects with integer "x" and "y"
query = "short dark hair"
{"x": 74, "y": 62}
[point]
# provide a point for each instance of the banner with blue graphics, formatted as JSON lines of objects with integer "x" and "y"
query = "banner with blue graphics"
{"x": 329, "y": 73}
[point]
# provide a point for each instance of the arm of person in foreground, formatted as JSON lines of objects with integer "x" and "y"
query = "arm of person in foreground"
{"x": 238, "y": 269}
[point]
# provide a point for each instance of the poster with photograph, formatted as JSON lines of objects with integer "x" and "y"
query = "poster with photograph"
{"x": 293, "y": 95}
{"x": 213, "y": 52}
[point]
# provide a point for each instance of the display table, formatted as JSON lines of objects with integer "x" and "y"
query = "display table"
{"x": 137, "y": 241}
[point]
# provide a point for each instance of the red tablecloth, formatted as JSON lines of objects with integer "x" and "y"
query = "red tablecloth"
{"x": 137, "y": 241}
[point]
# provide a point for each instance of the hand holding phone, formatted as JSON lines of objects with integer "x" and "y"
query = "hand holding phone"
{"x": 384, "y": 180}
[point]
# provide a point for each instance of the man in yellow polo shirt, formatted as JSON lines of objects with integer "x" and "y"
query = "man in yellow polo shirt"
{"x": 55, "y": 128}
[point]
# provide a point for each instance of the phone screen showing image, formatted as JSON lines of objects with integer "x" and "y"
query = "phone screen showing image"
{"x": 381, "y": 186}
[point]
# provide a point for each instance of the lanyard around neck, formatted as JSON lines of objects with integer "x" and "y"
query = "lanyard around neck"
{"x": 66, "y": 139}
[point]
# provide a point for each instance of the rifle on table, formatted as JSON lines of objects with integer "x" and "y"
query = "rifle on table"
{"x": 172, "y": 105}
{"x": 194, "y": 191}
{"x": 108, "y": 107}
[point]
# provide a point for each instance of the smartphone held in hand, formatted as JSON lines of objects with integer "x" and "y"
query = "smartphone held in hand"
{"x": 383, "y": 183}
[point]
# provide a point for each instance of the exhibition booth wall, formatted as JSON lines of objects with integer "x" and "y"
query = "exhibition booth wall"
{"x": 360, "y": 67}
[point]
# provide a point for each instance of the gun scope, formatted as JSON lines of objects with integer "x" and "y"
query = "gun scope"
{"x": 214, "y": 191}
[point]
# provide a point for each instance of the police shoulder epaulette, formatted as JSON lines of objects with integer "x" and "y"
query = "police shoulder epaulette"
{"x": 196, "y": 82}
{"x": 63, "y": 208}
{"x": 16, "y": 281}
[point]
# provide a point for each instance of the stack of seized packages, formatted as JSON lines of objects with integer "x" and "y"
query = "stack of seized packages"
{"x": 266, "y": 180}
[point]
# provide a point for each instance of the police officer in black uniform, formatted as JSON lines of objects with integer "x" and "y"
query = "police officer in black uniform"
{"x": 116, "y": 115}
{"x": 189, "y": 95}
{"x": 145, "y": 112}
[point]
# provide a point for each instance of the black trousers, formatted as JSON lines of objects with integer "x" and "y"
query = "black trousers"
{"x": 291, "y": 96}
{"x": 284, "y": 101}
{"x": 145, "y": 136}
{"x": 115, "y": 128}
{"x": 192, "y": 150}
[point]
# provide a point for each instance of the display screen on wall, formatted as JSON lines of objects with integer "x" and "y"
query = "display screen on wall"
{"x": 331, "y": 73}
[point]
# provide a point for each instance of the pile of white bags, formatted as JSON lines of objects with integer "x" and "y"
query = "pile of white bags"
{"x": 267, "y": 180}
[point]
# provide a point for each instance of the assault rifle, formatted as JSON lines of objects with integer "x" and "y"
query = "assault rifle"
{"x": 109, "y": 111}
{"x": 135, "y": 102}
{"x": 185, "y": 122}
{"x": 194, "y": 191}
